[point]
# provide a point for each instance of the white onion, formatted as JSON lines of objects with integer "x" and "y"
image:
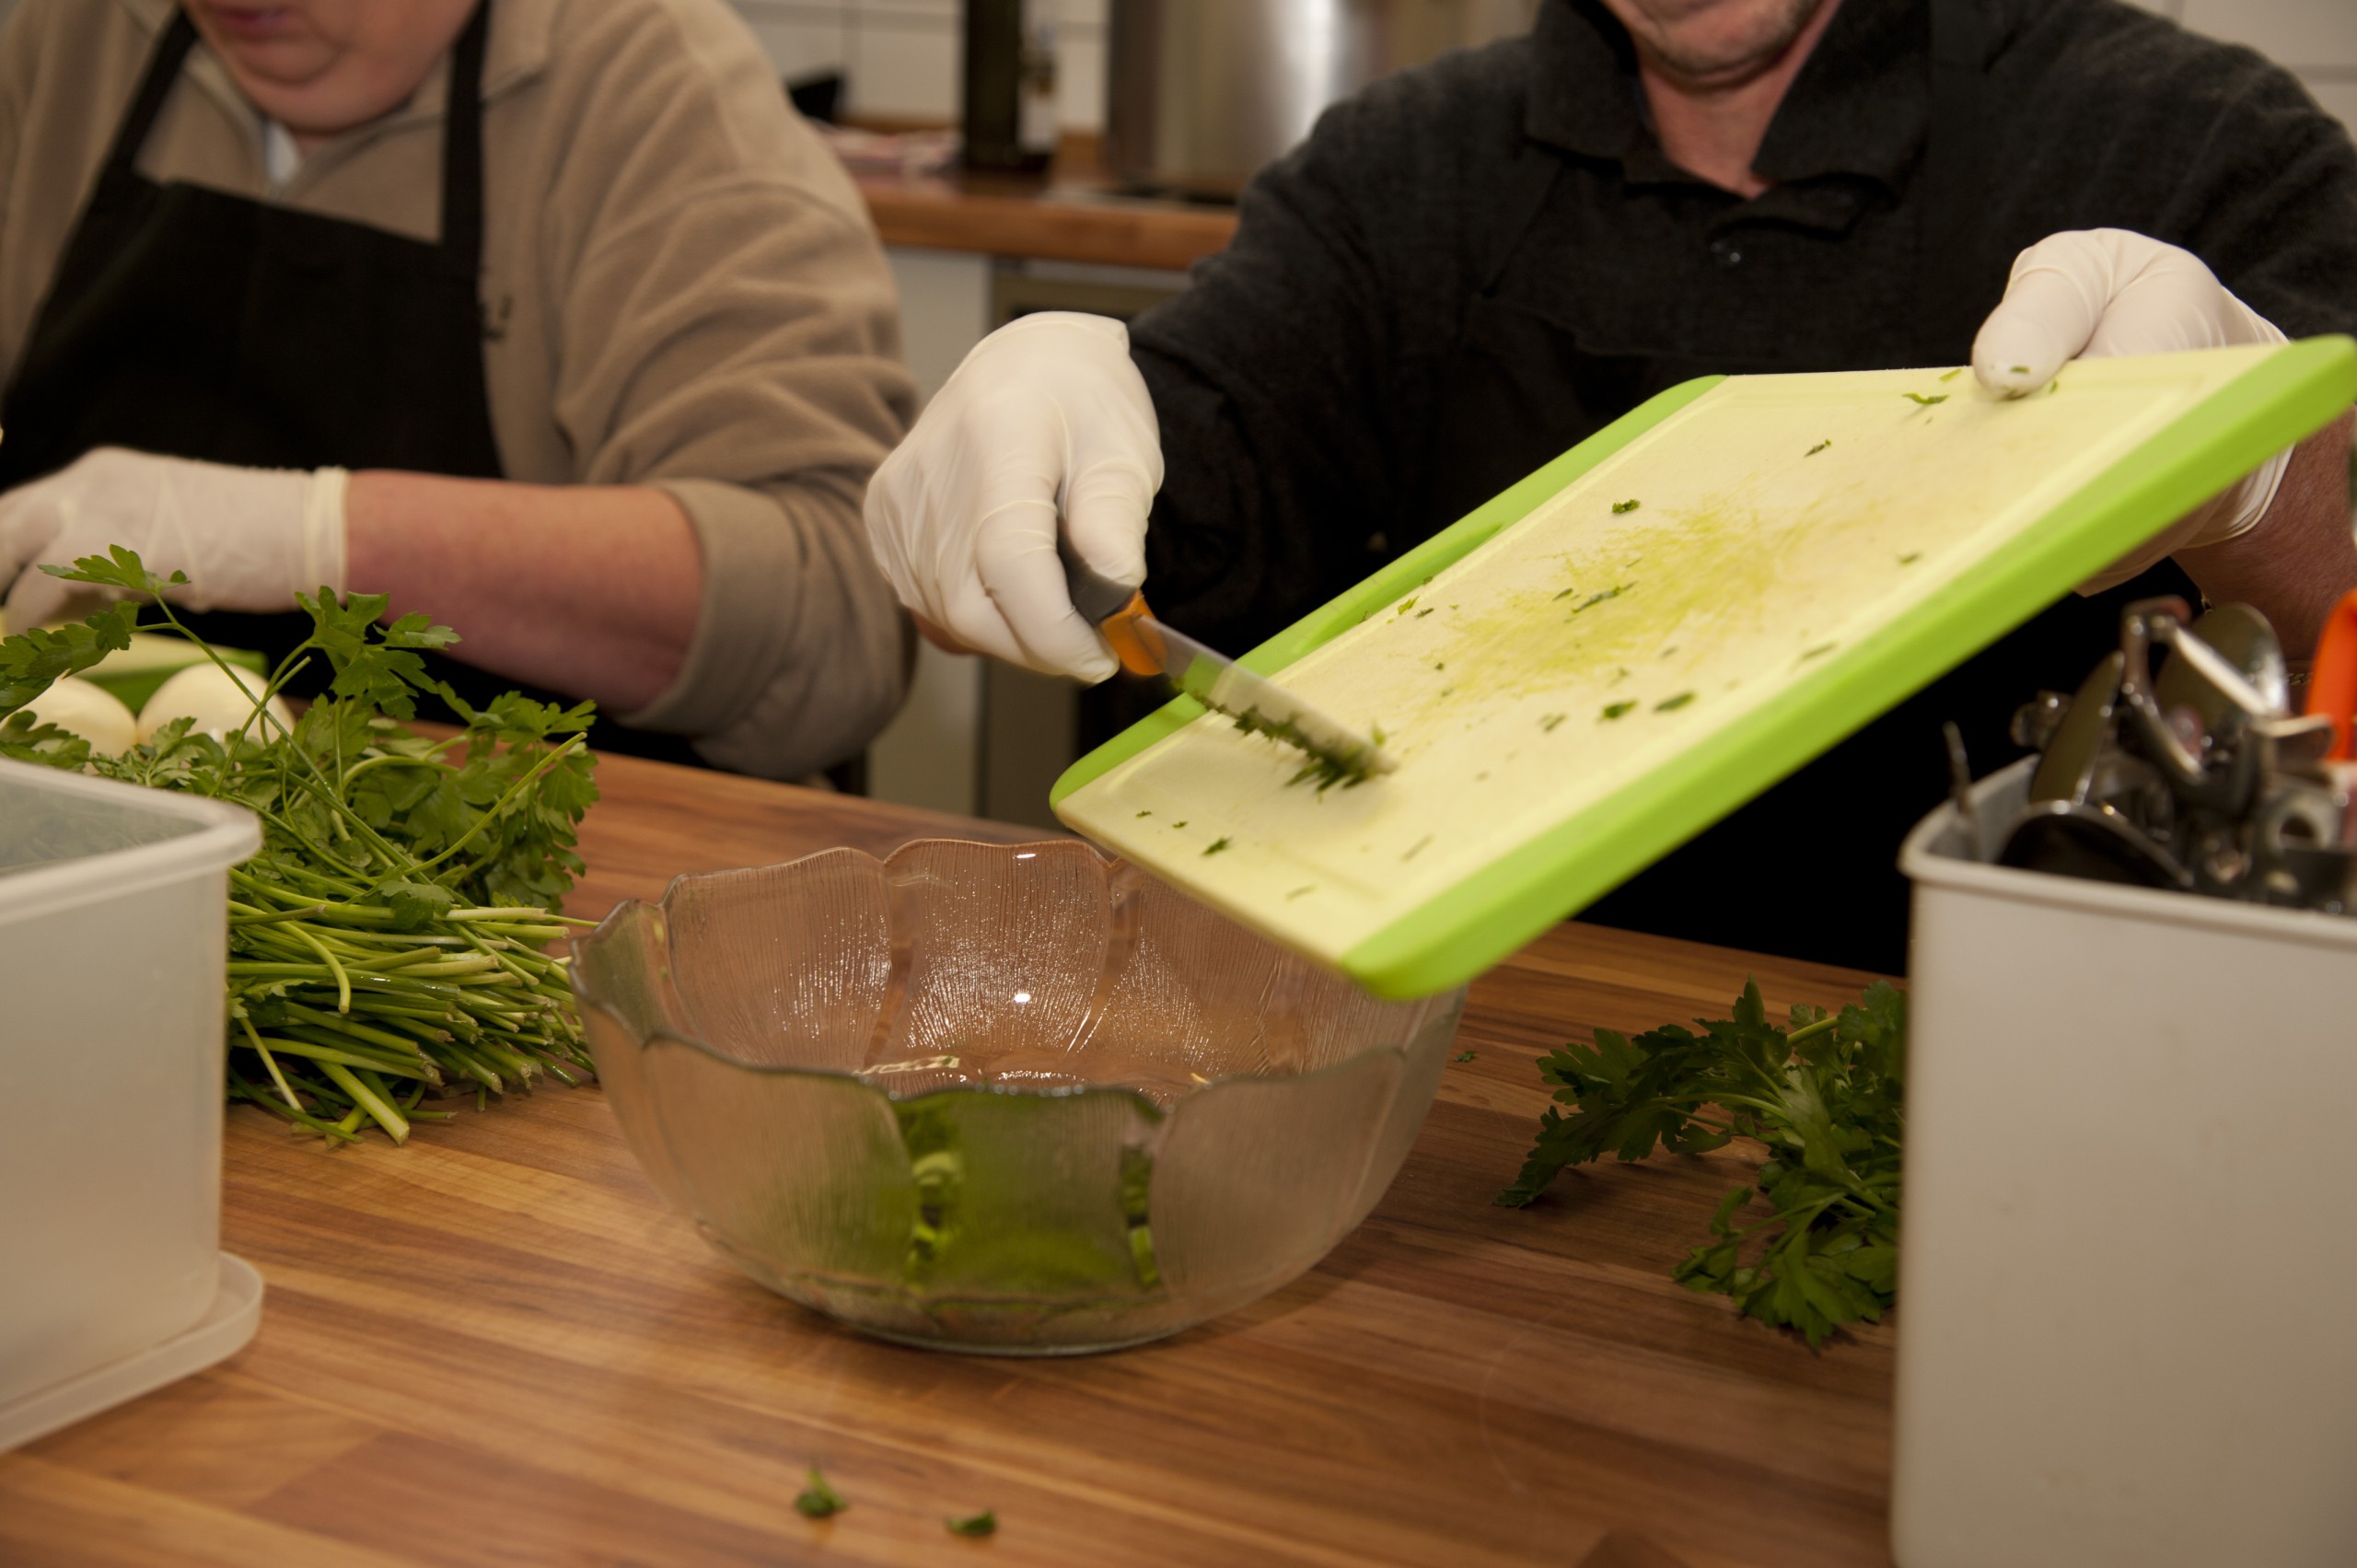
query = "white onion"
{"x": 89, "y": 710}
{"x": 219, "y": 706}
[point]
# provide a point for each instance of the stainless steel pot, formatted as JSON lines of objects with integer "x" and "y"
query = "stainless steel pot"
{"x": 1201, "y": 93}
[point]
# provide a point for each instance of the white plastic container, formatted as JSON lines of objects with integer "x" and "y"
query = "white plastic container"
{"x": 113, "y": 908}
{"x": 2127, "y": 1285}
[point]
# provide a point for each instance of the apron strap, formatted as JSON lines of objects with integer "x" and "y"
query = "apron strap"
{"x": 163, "y": 73}
{"x": 462, "y": 151}
{"x": 1948, "y": 190}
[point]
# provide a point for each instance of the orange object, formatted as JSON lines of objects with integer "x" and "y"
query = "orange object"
{"x": 1129, "y": 633}
{"x": 2332, "y": 684}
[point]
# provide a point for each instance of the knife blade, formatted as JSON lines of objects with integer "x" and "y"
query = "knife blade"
{"x": 1337, "y": 753}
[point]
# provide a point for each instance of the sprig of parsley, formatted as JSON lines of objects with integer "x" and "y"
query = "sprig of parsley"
{"x": 389, "y": 939}
{"x": 1825, "y": 1095}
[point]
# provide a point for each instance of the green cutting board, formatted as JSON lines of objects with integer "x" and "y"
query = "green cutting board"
{"x": 1573, "y": 685}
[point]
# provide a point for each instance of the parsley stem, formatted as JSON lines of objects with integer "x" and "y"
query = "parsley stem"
{"x": 1810, "y": 1031}
{"x": 342, "y": 980}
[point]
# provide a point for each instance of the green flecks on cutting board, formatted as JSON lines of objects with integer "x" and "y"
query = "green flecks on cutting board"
{"x": 1784, "y": 521}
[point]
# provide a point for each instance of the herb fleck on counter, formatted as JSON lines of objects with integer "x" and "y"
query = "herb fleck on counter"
{"x": 1912, "y": 557}
{"x": 1627, "y": 505}
{"x": 1927, "y": 403}
{"x": 817, "y": 1500}
{"x": 1668, "y": 705}
{"x": 1414, "y": 849}
{"x": 1216, "y": 845}
{"x": 1818, "y": 447}
{"x": 1614, "y": 710}
{"x": 983, "y": 1523}
{"x": 1462, "y": 1056}
{"x": 1547, "y": 722}
{"x": 1958, "y": 371}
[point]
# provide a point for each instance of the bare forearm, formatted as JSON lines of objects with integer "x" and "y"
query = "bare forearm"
{"x": 591, "y": 590}
{"x": 2296, "y": 564}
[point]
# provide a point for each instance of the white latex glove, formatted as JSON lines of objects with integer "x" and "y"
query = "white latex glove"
{"x": 1046, "y": 416}
{"x": 248, "y": 539}
{"x": 2101, "y": 292}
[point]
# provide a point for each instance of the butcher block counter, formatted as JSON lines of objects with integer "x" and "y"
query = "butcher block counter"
{"x": 1070, "y": 213}
{"x": 496, "y": 1346}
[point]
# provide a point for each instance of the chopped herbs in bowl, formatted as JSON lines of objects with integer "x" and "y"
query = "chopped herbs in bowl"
{"x": 1019, "y": 1099}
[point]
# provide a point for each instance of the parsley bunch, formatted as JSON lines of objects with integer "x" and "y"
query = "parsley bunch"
{"x": 386, "y": 940}
{"x": 1824, "y": 1095}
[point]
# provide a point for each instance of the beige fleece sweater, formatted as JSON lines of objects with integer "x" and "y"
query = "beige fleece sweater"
{"x": 682, "y": 288}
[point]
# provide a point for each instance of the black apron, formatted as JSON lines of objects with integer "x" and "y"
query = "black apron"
{"x": 192, "y": 323}
{"x": 1808, "y": 869}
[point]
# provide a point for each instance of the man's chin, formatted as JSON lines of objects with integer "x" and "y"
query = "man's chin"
{"x": 1717, "y": 42}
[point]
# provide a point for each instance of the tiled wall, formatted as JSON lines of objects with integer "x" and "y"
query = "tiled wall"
{"x": 900, "y": 57}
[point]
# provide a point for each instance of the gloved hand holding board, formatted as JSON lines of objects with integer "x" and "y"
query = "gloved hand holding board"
{"x": 1645, "y": 634}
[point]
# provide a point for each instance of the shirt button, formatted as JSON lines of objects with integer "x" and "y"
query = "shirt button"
{"x": 1726, "y": 253}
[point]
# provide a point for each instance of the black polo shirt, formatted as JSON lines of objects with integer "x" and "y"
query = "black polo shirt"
{"x": 1469, "y": 267}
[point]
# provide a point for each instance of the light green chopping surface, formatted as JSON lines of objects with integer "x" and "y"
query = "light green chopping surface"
{"x": 1589, "y": 687}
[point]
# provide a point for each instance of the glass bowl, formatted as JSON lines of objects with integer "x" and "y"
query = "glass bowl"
{"x": 1016, "y": 1099}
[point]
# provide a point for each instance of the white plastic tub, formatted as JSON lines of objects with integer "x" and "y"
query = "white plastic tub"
{"x": 112, "y": 937}
{"x": 2128, "y": 1287}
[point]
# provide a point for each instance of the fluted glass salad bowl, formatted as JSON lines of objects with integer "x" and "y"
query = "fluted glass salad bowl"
{"x": 1016, "y": 1099}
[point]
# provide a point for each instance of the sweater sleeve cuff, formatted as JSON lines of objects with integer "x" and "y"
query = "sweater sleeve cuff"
{"x": 794, "y": 664}
{"x": 747, "y": 550}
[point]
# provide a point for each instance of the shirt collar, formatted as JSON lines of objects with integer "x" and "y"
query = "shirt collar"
{"x": 1859, "y": 106}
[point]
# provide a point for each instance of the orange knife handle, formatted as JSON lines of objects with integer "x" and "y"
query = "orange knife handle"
{"x": 1116, "y": 609}
{"x": 1129, "y": 640}
{"x": 2333, "y": 683}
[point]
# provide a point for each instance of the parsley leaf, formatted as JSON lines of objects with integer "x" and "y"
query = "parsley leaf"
{"x": 1824, "y": 1096}
{"x": 983, "y": 1523}
{"x": 32, "y": 662}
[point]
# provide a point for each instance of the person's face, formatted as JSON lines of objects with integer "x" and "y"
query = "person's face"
{"x": 321, "y": 66}
{"x": 1709, "y": 42}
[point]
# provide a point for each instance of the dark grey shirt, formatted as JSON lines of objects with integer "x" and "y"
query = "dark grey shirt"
{"x": 1301, "y": 382}
{"x": 1471, "y": 266}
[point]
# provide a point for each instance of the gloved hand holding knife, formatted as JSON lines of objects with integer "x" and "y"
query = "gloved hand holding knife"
{"x": 1012, "y": 522}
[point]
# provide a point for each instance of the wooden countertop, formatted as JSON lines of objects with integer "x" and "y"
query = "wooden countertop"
{"x": 1073, "y": 214}
{"x": 496, "y": 1346}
